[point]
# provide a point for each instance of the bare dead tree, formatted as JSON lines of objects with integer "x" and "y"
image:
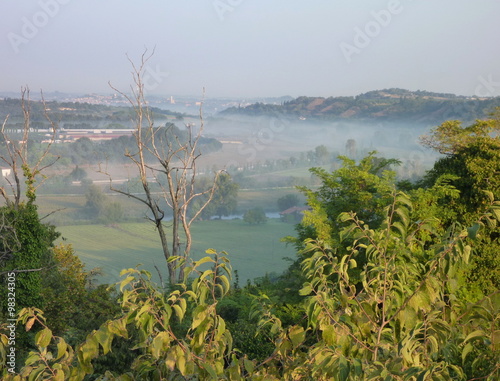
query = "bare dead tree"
{"x": 23, "y": 169}
{"x": 172, "y": 170}
{"x": 16, "y": 156}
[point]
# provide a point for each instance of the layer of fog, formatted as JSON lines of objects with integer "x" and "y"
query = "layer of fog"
{"x": 264, "y": 138}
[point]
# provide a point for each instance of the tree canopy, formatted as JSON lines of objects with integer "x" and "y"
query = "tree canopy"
{"x": 472, "y": 167}
{"x": 224, "y": 200}
{"x": 255, "y": 216}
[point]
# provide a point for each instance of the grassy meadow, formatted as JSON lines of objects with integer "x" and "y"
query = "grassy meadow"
{"x": 254, "y": 250}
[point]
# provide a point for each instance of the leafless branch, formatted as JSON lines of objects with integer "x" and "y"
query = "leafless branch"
{"x": 51, "y": 213}
{"x": 173, "y": 167}
{"x": 16, "y": 157}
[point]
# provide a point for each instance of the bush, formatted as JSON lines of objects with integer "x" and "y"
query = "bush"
{"x": 255, "y": 216}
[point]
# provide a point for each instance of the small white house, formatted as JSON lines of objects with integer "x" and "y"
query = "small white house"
{"x": 6, "y": 172}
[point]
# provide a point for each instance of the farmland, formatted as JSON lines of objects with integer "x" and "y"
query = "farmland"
{"x": 253, "y": 250}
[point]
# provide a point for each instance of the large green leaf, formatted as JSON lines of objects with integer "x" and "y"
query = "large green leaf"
{"x": 43, "y": 337}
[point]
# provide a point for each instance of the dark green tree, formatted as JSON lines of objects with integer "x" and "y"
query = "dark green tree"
{"x": 255, "y": 216}
{"x": 26, "y": 248}
{"x": 472, "y": 166}
{"x": 99, "y": 206}
{"x": 287, "y": 201}
{"x": 322, "y": 155}
{"x": 77, "y": 174}
{"x": 361, "y": 188}
{"x": 95, "y": 201}
{"x": 224, "y": 199}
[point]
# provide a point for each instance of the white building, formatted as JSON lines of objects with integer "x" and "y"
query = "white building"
{"x": 6, "y": 171}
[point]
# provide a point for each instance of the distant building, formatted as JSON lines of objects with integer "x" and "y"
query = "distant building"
{"x": 6, "y": 172}
{"x": 93, "y": 134}
{"x": 293, "y": 214}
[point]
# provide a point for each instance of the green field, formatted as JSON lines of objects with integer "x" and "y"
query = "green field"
{"x": 263, "y": 198}
{"x": 253, "y": 250}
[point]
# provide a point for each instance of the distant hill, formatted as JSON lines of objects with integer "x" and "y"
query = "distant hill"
{"x": 380, "y": 105}
{"x": 75, "y": 114}
{"x": 82, "y": 124}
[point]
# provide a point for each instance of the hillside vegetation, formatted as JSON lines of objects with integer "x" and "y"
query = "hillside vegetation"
{"x": 70, "y": 115}
{"x": 379, "y": 105}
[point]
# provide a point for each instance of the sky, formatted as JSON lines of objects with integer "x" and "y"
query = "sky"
{"x": 252, "y": 48}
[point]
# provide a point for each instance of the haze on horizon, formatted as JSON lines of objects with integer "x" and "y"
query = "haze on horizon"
{"x": 252, "y": 48}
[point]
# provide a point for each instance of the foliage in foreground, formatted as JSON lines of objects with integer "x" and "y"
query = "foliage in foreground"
{"x": 471, "y": 165}
{"x": 406, "y": 323}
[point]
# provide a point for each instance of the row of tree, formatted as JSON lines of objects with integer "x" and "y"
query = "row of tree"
{"x": 71, "y": 115}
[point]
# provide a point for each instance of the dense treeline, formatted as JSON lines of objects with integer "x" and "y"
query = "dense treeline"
{"x": 70, "y": 115}
{"x": 87, "y": 151}
{"x": 393, "y": 280}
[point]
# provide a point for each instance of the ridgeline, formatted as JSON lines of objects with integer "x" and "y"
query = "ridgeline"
{"x": 380, "y": 105}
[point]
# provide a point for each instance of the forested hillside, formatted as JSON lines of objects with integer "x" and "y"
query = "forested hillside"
{"x": 70, "y": 115}
{"x": 381, "y": 105}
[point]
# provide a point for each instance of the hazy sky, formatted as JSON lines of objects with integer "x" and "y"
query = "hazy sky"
{"x": 246, "y": 48}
